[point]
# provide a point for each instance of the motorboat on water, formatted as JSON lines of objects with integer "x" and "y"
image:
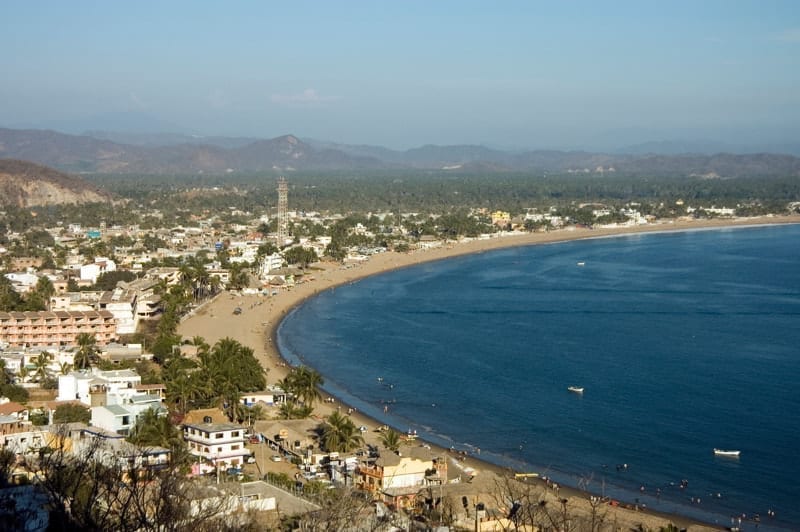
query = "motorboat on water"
{"x": 728, "y": 453}
{"x": 575, "y": 389}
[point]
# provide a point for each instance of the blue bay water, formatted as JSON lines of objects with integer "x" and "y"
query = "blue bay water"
{"x": 683, "y": 342}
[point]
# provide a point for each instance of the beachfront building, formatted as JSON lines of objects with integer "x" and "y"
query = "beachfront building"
{"x": 45, "y": 328}
{"x": 397, "y": 477}
{"x": 217, "y": 443}
{"x": 271, "y": 396}
{"x": 429, "y": 242}
{"x": 268, "y": 264}
{"x": 501, "y": 218}
{"x": 292, "y": 437}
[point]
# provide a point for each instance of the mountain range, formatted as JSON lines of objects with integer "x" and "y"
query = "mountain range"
{"x": 102, "y": 152}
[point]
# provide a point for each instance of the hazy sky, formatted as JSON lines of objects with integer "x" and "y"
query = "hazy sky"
{"x": 527, "y": 74}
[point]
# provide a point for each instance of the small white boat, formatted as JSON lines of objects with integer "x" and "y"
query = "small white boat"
{"x": 581, "y": 263}
{"x": 728, "y": 453}
{"x": 575, "y": 389}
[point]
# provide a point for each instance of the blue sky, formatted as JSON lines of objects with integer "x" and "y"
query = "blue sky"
{"x": 529, "y": 74}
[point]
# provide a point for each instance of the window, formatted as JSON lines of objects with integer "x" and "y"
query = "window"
{"x": 218, "y": 435}
{"x": 235, "y": 434}
{"x": 234, "y": 447}
{"x": 126, "y": 420}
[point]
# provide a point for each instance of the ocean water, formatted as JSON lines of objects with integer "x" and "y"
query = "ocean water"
{"x": 684, "y": 342}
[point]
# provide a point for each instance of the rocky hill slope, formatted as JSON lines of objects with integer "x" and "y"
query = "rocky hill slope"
{"x": 25, "y": 184}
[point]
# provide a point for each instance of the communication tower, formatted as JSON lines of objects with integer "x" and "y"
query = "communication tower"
{"x": 283, "y": 211}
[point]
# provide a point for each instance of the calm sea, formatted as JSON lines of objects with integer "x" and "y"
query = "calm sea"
{"x": 684, "y": 342}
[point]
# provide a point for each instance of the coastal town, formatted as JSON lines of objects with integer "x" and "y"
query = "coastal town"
{"x": 142, "y": 362}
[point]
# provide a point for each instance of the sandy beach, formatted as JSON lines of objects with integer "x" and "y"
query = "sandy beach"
{"x": 257, "y": 324}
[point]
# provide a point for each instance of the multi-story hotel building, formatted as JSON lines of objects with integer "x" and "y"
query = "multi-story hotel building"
{"x": 45, "y": 328}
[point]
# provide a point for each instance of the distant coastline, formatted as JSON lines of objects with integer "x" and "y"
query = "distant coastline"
{"x": 257, "y": 326}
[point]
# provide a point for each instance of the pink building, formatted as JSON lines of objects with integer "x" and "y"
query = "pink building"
{"x": 45, "y": 328}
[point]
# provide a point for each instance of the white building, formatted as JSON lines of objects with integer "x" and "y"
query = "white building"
{"x": 93, "y": 270}
{"x": 119, "y": 414}
{"x": 269, "y": 263}
{"x": 218, "y": 443}
{"x": 91, "y": 387}
{"x": 123, "y": 305}
{"x": 22, "y": 282}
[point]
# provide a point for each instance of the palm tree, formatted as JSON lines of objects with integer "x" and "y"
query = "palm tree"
{"x": 391, "y": 440}
{"x": 87, "y": 350}
{"x": 5, "y": 376}
{"x": 215, "y": 283}
{"x": 200, "y": 343}
{"x": 290, "y": 410}
{"x": 339, "y": 433}
{"x": 306, "y": 382}
{"x": 65, "y": 368}
{"x": 153, "y": 429}
{"x": 182, "y": 390}
{"x": 40, "y": 364}
{"x": 239, "y": 278}
{"x": 23, "y": 374}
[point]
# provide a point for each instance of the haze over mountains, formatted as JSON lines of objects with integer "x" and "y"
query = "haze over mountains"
{"x": 125, "y": 153}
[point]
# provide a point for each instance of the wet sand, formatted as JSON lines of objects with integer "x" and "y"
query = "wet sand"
{"x": 257, "y": 324}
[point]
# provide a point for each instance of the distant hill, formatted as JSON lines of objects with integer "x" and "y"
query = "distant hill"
{"x": 177, "y": 154}
{"x": 25, "y": 184}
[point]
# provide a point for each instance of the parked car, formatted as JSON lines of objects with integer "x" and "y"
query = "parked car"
{"x": 251, "y": 459}
{"x": 276, "y": 458}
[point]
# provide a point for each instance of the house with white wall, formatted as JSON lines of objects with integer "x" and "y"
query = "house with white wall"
{"x": 122, "y": 304}
{"x": 120, "y": 414}
{"x": 93, "y": 270}
{"x": 91, "y": 387}
{"x": 217, "y": 443}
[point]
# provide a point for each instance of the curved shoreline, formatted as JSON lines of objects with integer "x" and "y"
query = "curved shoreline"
{"x": 217, "y": 320}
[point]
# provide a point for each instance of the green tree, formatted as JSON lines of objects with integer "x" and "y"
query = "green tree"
{"x": 339, "y": 433}
{"x": 391, "y": 440}
{"x": 109, "y": 280}
{"x": 14, "y": 393}
{"x": 306, "y": 383}
{"x": 40, "y": 364}
{"x": 71, "y": 413}
{"x": 302, "y": 384}
{"x": 9, "y": 298}
{"x": 301, "y": 256}
{"x": 45, "y": 288}
{"x": 156, "y": 429}
{"x": 5, "y": 374}
{"x": 239, "y": 278}
{"x": 86, "y": 354}
{"x": 290, "y": 410}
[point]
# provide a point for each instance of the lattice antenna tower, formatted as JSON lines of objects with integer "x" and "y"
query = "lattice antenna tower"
{"x": 283, "y": 211}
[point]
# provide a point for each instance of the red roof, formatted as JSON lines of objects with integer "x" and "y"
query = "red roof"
{"x": 11, "y": 408}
